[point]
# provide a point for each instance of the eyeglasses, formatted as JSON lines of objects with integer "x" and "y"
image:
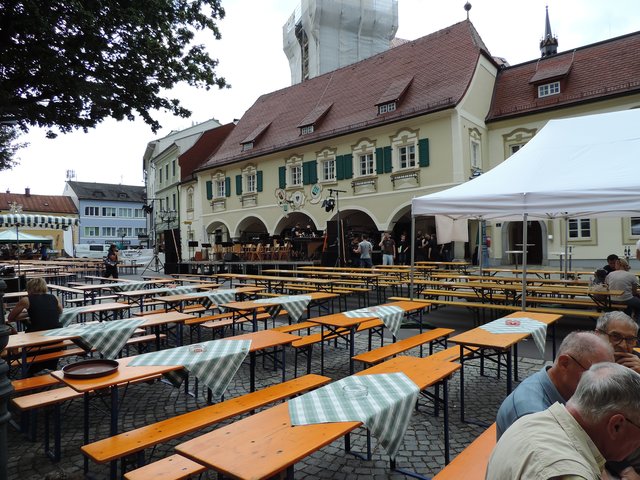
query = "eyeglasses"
{"x": 617, "y": 339}
{"x": 632, "y": 423}
{"x": 575, "y": 360}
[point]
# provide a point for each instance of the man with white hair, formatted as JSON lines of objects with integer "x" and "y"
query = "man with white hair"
{"x": 557, "y": 382}
{"x": 600, "y": 422}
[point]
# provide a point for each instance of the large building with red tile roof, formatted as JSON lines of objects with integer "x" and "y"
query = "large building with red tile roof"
{"x": 418, "y": 118}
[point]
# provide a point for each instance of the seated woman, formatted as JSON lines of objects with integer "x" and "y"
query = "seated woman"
{"x": 39, "y": 310}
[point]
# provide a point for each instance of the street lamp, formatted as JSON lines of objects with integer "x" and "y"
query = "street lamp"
{"x": 122, "y": 232}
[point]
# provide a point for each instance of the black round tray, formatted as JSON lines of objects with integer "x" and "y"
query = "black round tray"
{"x": 90, "y": 368}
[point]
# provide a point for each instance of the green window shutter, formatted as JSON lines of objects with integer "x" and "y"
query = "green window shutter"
{"x": 259, "y": 180}
{"x": 379, "y": 161}
{"x": 340, "y": 167}
{"x": 347, "y": 166}
{"x": 227, "y": 186}
{"x": 238, "y": 184}
{"x": 209, "y": 184}
{"x": 310, "y": 172}
{"x": 282, "y": 177}
{"x": 423, "y": 152}
{"x": 388, "y": 166}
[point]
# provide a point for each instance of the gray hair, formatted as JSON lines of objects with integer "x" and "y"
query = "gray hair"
{"x": 606, "y": 318}
{"x": 606, "y": 389}
{"x": 584, "y": 345}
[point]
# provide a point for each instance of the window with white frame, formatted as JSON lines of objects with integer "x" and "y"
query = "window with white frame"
{"x": 514, "y": 148}
{"x": 174, "y": 201}
{"x": 294, "y": 171}
{"x": 404, "y": 146}
{"x": 579, "y": 229}
{"x": 306, "y": 129}
{"x": 387, "y": 107}
{"x": 296, "y": 174}
{"x": 108, "y": 231}
{"x": 407, "y": 156}
{"x": 125, "y": 212}
{"x": 92, "y": 211}
{"x": 140, "y": 231}
{"x": 109, "y": 211}
{"x": 548, "y": 89}
{"x": 138, "y": 213}
{"x": 365, "y": 164}
{"x": 363, "y": 154}
{"x": 91, "y": 231}
{"x": 327, "y": 161}
{"x": 635, "y": 226}
{"x": 219, "y": 190}
{"x": 160, "y": 175}
{"x": 190, "y": 198}
{"x": 249, "y": 180}
{"x": 475, "y": 149}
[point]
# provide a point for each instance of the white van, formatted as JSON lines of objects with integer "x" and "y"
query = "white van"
{"x": 91, "y": 250}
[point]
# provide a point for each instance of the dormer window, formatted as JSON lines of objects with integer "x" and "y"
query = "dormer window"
{"x": 548, "y": 89}
{"x": 386, "y": 108}
{"x": 249, "y": 142}
{"x": 392, "y": 96}
{"x": 313, "y": 118}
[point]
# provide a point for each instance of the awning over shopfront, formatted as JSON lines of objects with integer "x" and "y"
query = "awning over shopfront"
{"x": 39, "y": 221}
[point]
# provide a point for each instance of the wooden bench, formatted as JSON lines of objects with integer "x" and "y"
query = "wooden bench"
{"x": 91, "y": 299}
{"x": 305, "y": 344}
{"x": 379, "y": 354}
{"x": 134, "y": 441}
{"x": 23, "y": 385}
{"x": 471, "y": 463}
{"x": 174, "y": 467}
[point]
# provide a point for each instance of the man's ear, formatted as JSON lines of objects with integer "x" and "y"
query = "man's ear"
{"x": 615, "y": 426}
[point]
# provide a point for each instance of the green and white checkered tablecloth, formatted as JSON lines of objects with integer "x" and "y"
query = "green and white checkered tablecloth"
{"x": 108, "y": 338}
{"x": 390, "y": 315}
{"x": 385, "y": 406}
{"x": 215, "y": 296}
{"x": 129, "y": 286}
{"x": 215, "y": 365}
{"x": 294, "y": 304}
{"x": 69, "y": 314}
{"x": 538, "y": 330}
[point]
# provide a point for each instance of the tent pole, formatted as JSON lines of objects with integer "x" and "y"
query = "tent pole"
{"x": 566, "y": 248}
{"x": 480, "y": 244}
{"x": 524, "y": 261}
{"x": 18, "y": 254}
{"x": 413, "y": 249}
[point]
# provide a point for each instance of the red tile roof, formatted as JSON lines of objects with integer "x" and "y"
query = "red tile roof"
{"x": 591, "y": 73}
{"x": 441, "y": 64}
{"x": 39, "y": 203}
{"x": 206, "y": 146}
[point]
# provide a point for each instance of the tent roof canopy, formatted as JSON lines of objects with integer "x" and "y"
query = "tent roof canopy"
{"x": 575, "y": 167}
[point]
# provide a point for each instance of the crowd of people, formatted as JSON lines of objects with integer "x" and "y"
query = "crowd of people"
{"x": 577, "y": 418}
{"x": 615, "y": 275}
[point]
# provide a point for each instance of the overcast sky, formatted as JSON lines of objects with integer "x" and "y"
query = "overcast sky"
{"x": 252, "y": 61}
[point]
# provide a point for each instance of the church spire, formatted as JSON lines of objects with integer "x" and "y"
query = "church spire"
{"x": 549, "y": 44}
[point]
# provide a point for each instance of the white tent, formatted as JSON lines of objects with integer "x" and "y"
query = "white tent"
{"x": 576, "y": 167}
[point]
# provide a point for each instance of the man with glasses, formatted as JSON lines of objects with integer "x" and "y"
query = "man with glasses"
{"x": 599, "y": 423}
{"x": 554, "y": 383}
{"x": 622, "y": 333}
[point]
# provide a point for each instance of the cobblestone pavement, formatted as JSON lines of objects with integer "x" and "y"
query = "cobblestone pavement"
{"x": 422, "y": 451}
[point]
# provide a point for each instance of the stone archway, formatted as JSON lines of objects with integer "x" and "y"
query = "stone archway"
{"x": 251, "y": 230}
